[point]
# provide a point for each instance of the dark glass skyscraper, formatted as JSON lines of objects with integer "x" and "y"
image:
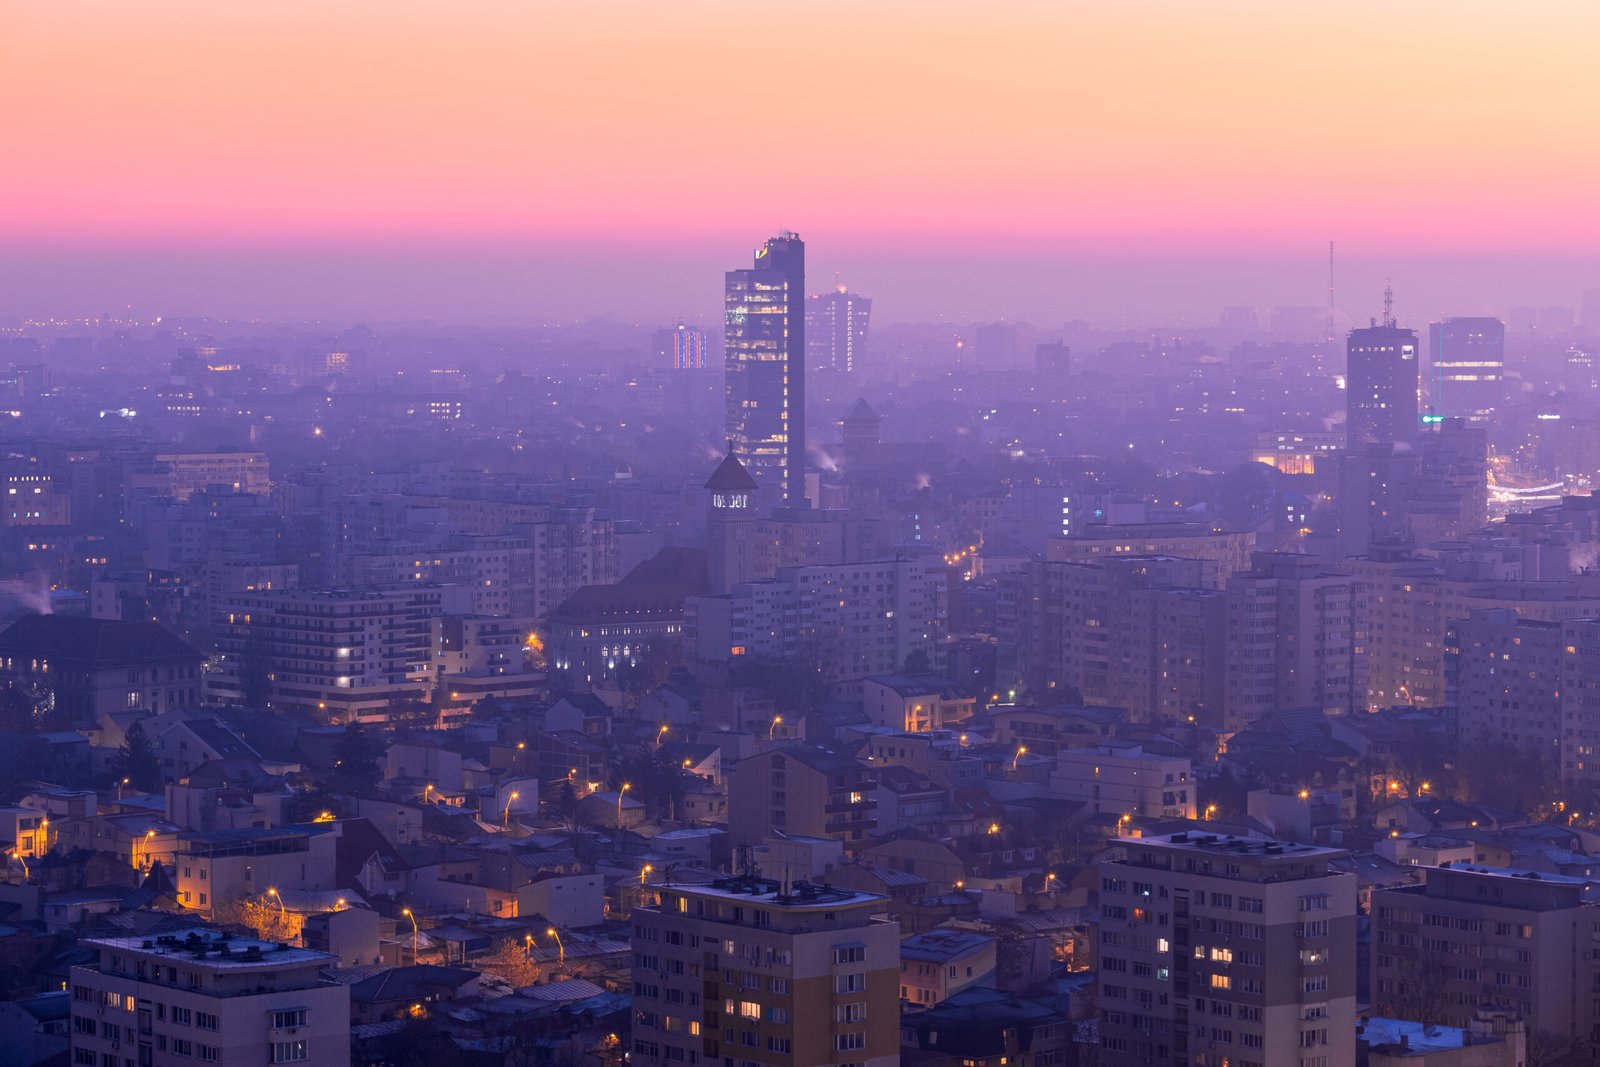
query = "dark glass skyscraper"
{"x": 1467, "y": 367}
{"x": 766, "y": 366}
{"x": 1381, "y": 385}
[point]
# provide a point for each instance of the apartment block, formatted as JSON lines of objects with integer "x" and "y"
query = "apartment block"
{"x": 203, "y": 996}
{"x": 1226, "y": 950}
{"x": 750, "y": 970}
{"x": 853, "y": 620}
{"x": 1127, "y": 778}
{"x": 1288, "y": 639}
{"x": 1473, "y": 936}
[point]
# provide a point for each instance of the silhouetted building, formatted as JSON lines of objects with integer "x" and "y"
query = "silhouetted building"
{"x": 766, "y": 366}
{"x": 1381, "y": 385}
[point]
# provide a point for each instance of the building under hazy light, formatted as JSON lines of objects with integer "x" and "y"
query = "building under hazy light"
{"x": 766, "y": 366}
{"x": 836, "y": 329}
{"x": 1467, "y": 367}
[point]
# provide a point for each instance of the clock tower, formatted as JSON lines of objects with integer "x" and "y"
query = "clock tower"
{"x": 731, "y": 524}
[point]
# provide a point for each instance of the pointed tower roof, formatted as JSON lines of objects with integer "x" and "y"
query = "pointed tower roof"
{"x": 730, "y": 476}
{"x": 861, "y": 412}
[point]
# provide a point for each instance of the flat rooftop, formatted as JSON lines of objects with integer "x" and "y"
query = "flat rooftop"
{"x": 796, "y": 895}
{"x": 213, "y": 950}
{"x": 1231, "y": 845}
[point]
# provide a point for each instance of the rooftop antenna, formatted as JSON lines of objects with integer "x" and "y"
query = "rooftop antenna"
{"x": 1330, "y": 293}
{"x": 1388, "y": 304}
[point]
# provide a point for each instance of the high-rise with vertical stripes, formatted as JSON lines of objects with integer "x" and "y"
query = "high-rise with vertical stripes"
{"x": 766, "y": 366}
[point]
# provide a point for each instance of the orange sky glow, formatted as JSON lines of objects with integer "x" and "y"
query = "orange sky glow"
{"x": 1261, "y": 125}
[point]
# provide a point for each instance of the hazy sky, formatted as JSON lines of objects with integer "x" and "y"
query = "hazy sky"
{"x": 477, "y": 158}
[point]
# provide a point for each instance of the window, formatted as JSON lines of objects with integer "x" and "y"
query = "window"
{"x": 850, "y": 1013}
{"x": 207, "y": 1053}
{"x": 850, "y": 1042}
{"x": 282, "y": 1020}
{"x": 850, "y": 983}
{"x": 181, "y": 1015}
{"x": 850, "y": 954}
{"x": 749, "y": 1009}
{"x": 205, "y": 1021}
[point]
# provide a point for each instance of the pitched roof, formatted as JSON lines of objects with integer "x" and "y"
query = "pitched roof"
{"x": 94, "y": 643}
{"x": 861, "y": 411}
{"x": 730, "y": 476}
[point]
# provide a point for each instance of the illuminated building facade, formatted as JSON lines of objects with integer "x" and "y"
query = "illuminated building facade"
{"x": 755, "y": 971}
{"x": 765, "y": 363}
{"x": 836, "y": 329}
{"x": 1467, "y": 367}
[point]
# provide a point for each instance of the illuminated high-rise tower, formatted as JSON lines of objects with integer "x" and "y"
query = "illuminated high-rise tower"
{"x": 1381, "y": 382}
{"x": 766, "y": 366}
{"x": 836, "y": 329}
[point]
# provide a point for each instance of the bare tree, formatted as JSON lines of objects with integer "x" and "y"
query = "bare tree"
{"x": 510, "y": 959}
{"x": 265, "y": 915}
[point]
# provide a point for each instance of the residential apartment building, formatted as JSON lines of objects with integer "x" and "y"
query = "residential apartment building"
{"x": 751, "y": 970}
{"x": 801, "y": 789}
{"x": 1224, "y": 552}
{"x": 1288, "y": 639}
{"x": 1127, "y": 778}
{"x": 1226, "y": 950}
{"x": 1138, "y": 632}
{"x": 851, "y": 620}
{"x": 1404, "y": 605}
{"x": 337, "y": 654}
{"x": 1530, "y": 686}
{"x": 1472, "y": 936}
{"x": 204, "y": 996}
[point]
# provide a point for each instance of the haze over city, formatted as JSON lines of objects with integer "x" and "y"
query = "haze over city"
{"x": 1024, "y": 160}
{"x": 709, "y": 534}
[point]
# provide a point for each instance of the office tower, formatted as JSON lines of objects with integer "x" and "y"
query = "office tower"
{"x": 1288, "y": 639}
{"x": 1476, "y": 936}
{"x": 1467, "y": 367}
{"x": 749, "y": 970}
{"x": 203, "y": 996}
{"x": 836, "y": 330}
{"x": 1381, "y": 384}
{"x": 1226, "y": 950}
{"x": 766, "y": 366}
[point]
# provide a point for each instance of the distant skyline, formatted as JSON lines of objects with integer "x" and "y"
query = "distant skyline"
{"x": 1034, "y": 160}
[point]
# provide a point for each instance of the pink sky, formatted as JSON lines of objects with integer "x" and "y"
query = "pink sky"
{"x": 1240, "y": 128}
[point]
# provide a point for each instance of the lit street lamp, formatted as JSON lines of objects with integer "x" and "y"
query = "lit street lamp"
{"x": 505, "y": 820}
{"x": 408, "y": 913}
{"x": 561, "y": 950}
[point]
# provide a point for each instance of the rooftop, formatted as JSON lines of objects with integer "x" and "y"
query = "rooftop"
{"x": 796, "y": 895}
{"x": 1229, "y": 845}
{"x": 214, "y": 950}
